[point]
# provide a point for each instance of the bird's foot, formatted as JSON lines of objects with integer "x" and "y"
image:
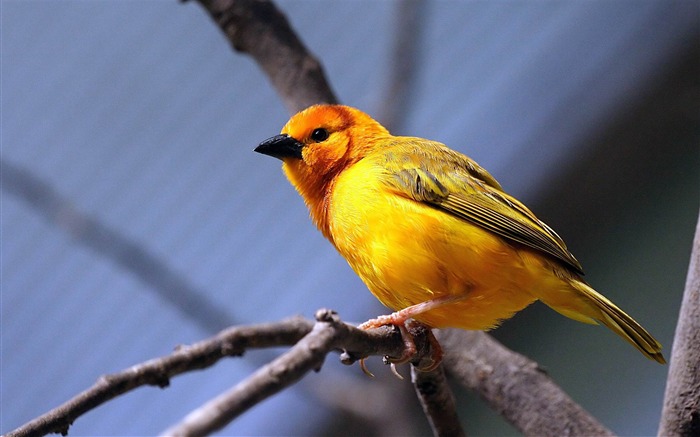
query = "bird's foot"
{"x": 409, "y": 329}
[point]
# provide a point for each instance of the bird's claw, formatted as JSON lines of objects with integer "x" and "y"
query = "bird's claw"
{"x": 410, "y": 350}
{"x": 364, "y": 368}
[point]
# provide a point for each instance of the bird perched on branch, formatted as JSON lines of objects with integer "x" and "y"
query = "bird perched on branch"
{"x": 431, "y": 233}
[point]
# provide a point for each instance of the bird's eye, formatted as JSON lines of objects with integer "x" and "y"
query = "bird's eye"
{"x": 319, "y": 135}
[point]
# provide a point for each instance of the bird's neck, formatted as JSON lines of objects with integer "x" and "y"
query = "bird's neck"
{"x": 316, "y": 192}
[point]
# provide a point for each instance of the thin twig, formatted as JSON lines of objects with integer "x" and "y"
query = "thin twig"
{"x": 681, "y": 412}
{"x": 308, "y": 354}
{"x": 230, "y": 342}
{"x": 437, "y": 401}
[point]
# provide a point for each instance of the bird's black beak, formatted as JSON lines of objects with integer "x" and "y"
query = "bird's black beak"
{"x": 281, "y": 146}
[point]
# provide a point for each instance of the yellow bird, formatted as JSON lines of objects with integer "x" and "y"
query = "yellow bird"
{"x": 431, "y": 233}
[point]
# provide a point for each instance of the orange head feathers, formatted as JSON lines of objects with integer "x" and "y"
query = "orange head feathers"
{"x": 325, "y": 137}
{"x": 430, "y": 232}
{"x": 316, "y": 144}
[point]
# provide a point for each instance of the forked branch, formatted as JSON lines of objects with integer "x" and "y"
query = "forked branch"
{"x": 312, "y": 342}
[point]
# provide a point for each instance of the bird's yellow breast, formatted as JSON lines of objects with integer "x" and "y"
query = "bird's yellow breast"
{"x": 408, "y": 252}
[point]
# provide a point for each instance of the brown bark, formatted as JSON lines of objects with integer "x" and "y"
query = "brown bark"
{"x": 681, "y": 411}
{"x": 514, "y": 386}
{"x": 258, "y": 28}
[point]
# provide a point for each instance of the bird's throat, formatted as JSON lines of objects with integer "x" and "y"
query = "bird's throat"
{"x": 315, "y": 190}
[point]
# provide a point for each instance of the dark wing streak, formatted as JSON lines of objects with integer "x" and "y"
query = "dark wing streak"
{"x": 482, "y": 208}
{"x": 534, "y": 235}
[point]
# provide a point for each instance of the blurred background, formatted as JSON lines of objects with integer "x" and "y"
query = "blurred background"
{"x": 135, "y": 216}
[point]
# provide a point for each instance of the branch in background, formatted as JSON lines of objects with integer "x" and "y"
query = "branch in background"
{"x": 514, "y": 386}
{"x": 161, "y": 279}
{"x": 258, "y": 28}
{"x": 404, "y": 64}
{"x": 681, "y": 412}
{"x": 364, "y": 406}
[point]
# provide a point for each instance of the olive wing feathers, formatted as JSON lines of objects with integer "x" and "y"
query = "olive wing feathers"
{"x": 453, "y": 183}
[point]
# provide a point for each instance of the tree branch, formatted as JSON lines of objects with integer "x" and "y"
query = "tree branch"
{"x": 514, "y": 386}
{"x": 312, "y": 343}
{"x": 258, "y": 28}
{"x": 230, "y": 342}
{"x": 437, "y": 401}
{"x": 308, "y": 354}
{"x": 681, "y": 412}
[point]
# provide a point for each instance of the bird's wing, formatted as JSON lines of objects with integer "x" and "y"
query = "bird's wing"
{"x": 458, "y": 186}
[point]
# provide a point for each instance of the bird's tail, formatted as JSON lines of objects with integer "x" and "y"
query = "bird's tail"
{"x": 592, "y": 307}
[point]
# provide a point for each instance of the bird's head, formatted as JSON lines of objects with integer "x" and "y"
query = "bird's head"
{"x": 322, "y": 140}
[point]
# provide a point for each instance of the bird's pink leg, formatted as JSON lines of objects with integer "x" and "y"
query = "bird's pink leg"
{"x": 399, "y": 319}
